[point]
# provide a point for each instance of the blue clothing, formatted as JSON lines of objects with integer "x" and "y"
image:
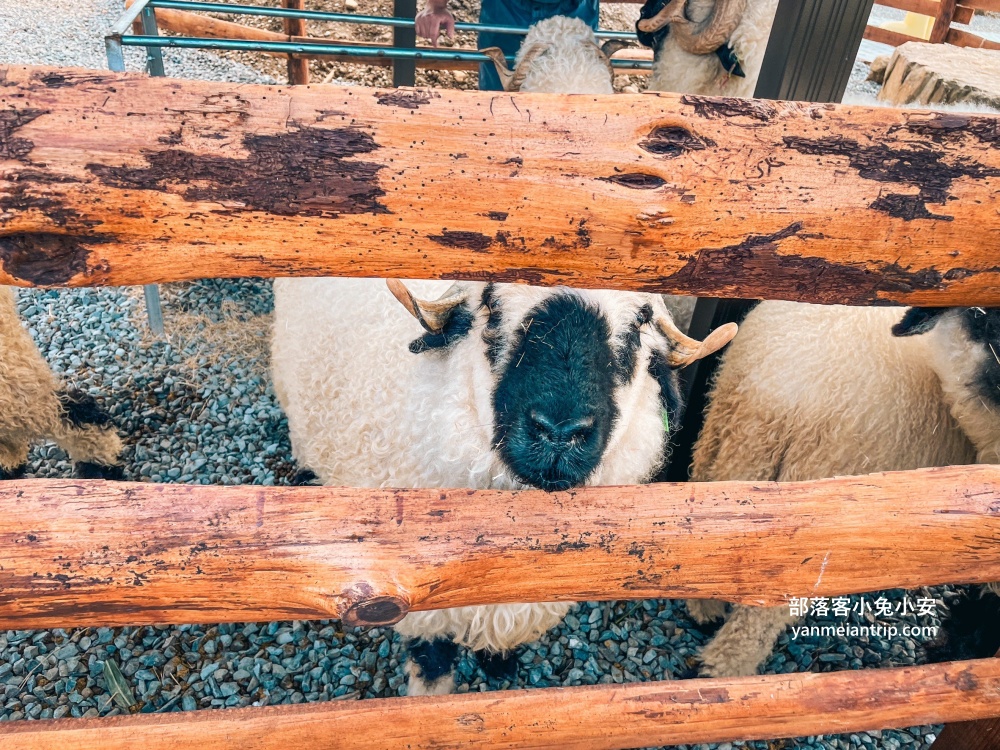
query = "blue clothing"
{"x": 523, "y": 13}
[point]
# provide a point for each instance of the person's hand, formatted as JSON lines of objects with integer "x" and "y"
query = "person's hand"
{"x": 432, "y": 19}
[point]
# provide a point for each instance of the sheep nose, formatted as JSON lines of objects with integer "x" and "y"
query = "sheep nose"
{"x": 561, "y": 430}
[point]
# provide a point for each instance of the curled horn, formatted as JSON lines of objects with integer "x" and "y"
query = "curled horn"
{"x": 432, "y": 314}
{"x": 685, "y": 350}
{"x": 512, "y": 80}
{"x": 609, "y": 48}
{"x": 698, "y": 38}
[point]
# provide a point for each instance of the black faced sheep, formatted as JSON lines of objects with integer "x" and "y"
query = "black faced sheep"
{"x": 811, "y": 391}
{"x": 508, "y": 387}
{"x": 35, "y": 406}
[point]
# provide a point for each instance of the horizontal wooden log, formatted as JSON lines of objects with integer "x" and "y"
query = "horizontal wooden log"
{"x": 961, "y": 38}
{"x": 94, "y": 553}
{"x": 892, "y": 38}
{"x": 604, "y": 717}
{"x": 123, "y": 179}
{"x": 992, "y": 6}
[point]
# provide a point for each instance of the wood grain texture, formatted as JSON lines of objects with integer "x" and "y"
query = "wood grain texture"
{"x": 121, "y": 179}
{"x": 605, "y": 717}
{"x": 942, "y": 21}
{"x": 94, "y": 553}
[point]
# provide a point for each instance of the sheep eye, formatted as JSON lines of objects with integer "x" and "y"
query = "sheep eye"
{"x": 643, "y": 315}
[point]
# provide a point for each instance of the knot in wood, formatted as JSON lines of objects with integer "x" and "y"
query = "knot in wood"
{"x": 376, "y": 611}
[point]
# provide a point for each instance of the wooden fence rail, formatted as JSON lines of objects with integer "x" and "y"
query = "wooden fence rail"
{"x": 123, "y": 179}
{"x": 605, "y": 717}
{"x": 95, "y": 553}
{"x": 945, "y": 13}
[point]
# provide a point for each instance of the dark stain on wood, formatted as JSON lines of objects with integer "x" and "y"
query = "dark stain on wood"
{"x": 636, "y": 180}
{"x": 498, "y": 215}
{"x": 466, "y": 240}
{"x": 583, "y": 234}
{"x": 12, "y": 120}
{"x": 305, "y": 172}
{"x": 906, "y": 207}
{"x": 45, "y": 258}
{"x": 21, "y": 198}
{"x": 922, "y": 167}
{"x": 674, "y": 141}
{"x": 723, "y": 108}
{"x": 56, "y": 80}
{"x": 406, "y": 98}
{"x": 951, "y": 127}
{"x": 754, "y": 262}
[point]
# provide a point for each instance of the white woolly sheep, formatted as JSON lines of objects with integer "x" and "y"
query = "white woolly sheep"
{"x": 689, "y": 57}
{"x": 559, "y": 55}
{"x": 34, "y": 406}
{"x": 509, "y": 387}
{"x": 810, "y": 391}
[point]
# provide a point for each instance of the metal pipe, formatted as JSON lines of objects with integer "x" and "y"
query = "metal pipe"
{"x": 317, "y": 15}
{"x": 116, "y": 57}
{"x": 421, "y": 53}
{"x": 131, "y": 13}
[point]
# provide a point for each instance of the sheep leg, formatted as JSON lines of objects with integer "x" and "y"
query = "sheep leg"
{"x": 431, "y": 666}
{"x": 500, "y": 667}
{"x": 86, "y": 433}
{"x": 745, "y": 641}
{"x": 13, "y": 458}
{"x": 705, "y": 611}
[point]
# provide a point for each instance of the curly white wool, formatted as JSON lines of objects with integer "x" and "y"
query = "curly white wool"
{"x": 572, "y": 64}
{"x": 685, "y": 73}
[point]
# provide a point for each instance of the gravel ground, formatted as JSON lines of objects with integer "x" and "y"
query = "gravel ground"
{"x": 199, "y": 408}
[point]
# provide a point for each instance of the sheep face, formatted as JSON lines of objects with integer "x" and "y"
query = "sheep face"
{"x": 965, "y": 353}
{"x": 576, "y": 387}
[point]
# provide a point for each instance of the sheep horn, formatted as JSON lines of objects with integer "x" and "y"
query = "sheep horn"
{"x": 685, "y": 350}
{"x": 524, "y": 65}
{"x": 500, "y": 63}
{"x": 609, "y": 48}
{"x": 670, "y": 13}
{"x": 707, "y": 36}
{"x": 432, "y": 314}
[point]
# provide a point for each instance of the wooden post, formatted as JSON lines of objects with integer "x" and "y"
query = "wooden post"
{"x": 942, "y": 22}
{"x": 298, "y": 67}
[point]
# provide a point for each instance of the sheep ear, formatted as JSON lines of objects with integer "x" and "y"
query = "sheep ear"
{"x": 685, "y": 350}
{"x": 432, "y": 314}
{"x": 918, "y": 320}
{"x": 500, "y": 63}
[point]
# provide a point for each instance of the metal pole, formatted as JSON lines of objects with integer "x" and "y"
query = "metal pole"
{"x": 404, "y": 72}
{"x": 810, "y": 55}
{"x": 154, "y": 63}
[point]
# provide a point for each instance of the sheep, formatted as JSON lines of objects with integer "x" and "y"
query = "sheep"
{"x": 559, "y": 55}
{"x": 35, "y": 406}
{"x": 811, "y": 391}
{"x": 509, "y": 387}
{"x": 708, "y": 47}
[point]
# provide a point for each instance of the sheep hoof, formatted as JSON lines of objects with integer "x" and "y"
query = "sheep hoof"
{"x": 16, "y": 473}
{"x": 431, "y": 666}
{"x": 89, "y": 470}
{"x": 304, "y": 478}
{"x": 498, "y": 667}
{"x": 706, "y": 612}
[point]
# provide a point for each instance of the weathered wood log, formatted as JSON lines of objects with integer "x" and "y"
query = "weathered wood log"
{"x": 98, "y": 553}
{"x": 938, "y": 73}
{"x": 942, "y": 21}
{"x": 604, "y": 717}
{"x": 983, "y": 734}
{"x": 122, "y": 179}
